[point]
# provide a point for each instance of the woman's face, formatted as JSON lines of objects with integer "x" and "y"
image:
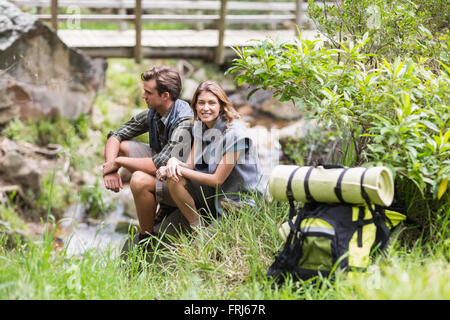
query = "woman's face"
{"x": 208, "y": 108}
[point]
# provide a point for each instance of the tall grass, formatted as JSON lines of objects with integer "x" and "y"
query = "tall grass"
{"x": 230, "y": 263}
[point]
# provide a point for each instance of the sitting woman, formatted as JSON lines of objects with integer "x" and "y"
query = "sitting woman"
{"x": 223, "y": 163}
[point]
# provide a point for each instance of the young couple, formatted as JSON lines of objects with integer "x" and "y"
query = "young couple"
{"x": 198, "y": 156}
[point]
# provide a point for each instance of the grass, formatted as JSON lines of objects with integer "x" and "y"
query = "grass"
{"x": 229, "y": 264}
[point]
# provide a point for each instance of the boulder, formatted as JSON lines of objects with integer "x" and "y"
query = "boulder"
{"x": 281, "y": 110}
{"x": 39, "y": 75}
{"x": 26, "y": 165}
{"x": 256, "y": 100}
{"x": 297, "y": 130}
{"x": 189, "y": 87}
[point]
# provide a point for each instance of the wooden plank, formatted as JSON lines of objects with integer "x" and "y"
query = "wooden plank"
{"x": 176, "y": 43}
{"x": 172, "y": 38}
{"x": 231, "y": 19}
{"x": 54, "y": 15}
{"x": 158, "y": 4}
{"x": 222, "y": 25}
{"x": 298, "y": 12}
{"x": 138, "y": 31}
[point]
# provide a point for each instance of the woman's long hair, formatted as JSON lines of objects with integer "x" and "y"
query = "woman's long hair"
{"x": 226, "y": 107}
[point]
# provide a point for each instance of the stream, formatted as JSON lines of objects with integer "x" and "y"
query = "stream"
{"x": 80, "y": 234}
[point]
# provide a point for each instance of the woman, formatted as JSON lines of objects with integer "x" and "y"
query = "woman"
{"x": 223, "y": 163}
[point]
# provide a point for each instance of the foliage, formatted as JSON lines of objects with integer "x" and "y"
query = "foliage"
{"x": 395, "y": 28}
{"x": 10, "y": 215}
{"x": 95, "y": 200}
{"x": 396, "y": 114}
{"x": 317, "y": 146}
{"x": 54, "y": 197}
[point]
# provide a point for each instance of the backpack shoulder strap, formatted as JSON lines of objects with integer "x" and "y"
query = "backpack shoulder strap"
{"x": 378, "y": 217}
{"x": 290, "y": 194}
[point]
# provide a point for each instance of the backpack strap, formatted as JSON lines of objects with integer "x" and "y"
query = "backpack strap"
{"x": 309, "y": 197}
{"x": 338, "y": 189}
{"x": 290, "y": 194}
{"x": 378, "y": 217}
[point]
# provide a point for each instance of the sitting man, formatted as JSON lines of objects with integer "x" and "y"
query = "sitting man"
{"x": 168, "y": 120}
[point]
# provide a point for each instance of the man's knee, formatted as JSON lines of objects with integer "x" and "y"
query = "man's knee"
{"x": 141, "y": 181}
{"x": 124, "y": 149}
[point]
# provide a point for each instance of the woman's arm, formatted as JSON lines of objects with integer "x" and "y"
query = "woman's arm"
{"x": 173, "y": 165}
{"x": 215, "y": 179}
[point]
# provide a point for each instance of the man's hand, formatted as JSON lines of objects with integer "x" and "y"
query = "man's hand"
{"x": 113, "y": 181}
{"x": 110, "y": 167}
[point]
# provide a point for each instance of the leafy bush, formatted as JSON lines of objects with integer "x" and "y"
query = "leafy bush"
{"x": 95, "y": 200}
{"x": 386, "y": 96}
{"x": 393, "y": 112}
{"x": 395, "y": 28}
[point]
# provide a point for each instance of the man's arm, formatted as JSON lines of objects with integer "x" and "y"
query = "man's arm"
{"x": 137, "y": 125}
{"x": 137, "y": 164}
{"x": 112, "y": 149}
{"x": 178, "y": 146}
{"x": 111, "y": 178}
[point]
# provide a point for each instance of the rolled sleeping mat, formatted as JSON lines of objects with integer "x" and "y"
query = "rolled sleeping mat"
{"x": 333, "y": 185}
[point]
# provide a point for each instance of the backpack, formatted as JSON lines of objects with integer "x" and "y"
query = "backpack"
{"x": 321, "y": 237}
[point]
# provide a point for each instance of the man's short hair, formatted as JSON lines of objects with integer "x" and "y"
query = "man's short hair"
{"x": 167, "y": 80}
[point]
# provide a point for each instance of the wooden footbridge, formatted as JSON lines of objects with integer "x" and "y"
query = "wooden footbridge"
{"x": 209, "y": 29}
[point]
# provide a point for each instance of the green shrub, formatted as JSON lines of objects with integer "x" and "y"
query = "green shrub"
{"x": 95, "y": 200}
{"x": 396, "y": 114}
{"x": 395, "y": 28}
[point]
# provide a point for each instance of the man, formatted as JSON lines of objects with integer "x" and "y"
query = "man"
{"x": 168, "y": 121}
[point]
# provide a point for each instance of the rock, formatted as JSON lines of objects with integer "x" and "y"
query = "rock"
{"x": 256, "y": 100}
{"x": 199, "y": 75}
{"x": 281, "y": 110}
{"x": 189, "y": 87}
{"x": 17, "y": 169}
{"x": 245, "y": 110}
{"x": 39, "y": 75}
{"x": 123, "y": 225}
{"x": 185, "y": 69}
{"x": 24, "y": 165}
{"x": 126, "y": 198}
{"x": 228, "y": 85}
{"x": 297, "y": 130}
{"x": 7, "y": 110}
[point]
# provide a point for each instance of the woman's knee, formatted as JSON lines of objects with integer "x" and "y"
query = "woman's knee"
{"x": 173, "y": 185}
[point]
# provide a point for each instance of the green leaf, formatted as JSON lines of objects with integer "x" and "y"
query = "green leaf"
{"x": 430, "y": 125}
{"x": 251, "y": 93}
{"x": 442, "y": 188}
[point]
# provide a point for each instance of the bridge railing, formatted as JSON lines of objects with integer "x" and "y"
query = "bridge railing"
{"x": 219, "y": 13}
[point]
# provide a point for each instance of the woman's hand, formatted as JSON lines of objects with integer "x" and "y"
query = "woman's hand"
{"x": 161, "y": 173}
{"x": 174, "y": 169}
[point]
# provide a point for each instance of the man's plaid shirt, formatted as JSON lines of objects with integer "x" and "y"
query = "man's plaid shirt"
{"x": 179, "y": 144}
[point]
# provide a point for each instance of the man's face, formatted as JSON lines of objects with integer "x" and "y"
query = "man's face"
{"x": 151, "y": 95}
